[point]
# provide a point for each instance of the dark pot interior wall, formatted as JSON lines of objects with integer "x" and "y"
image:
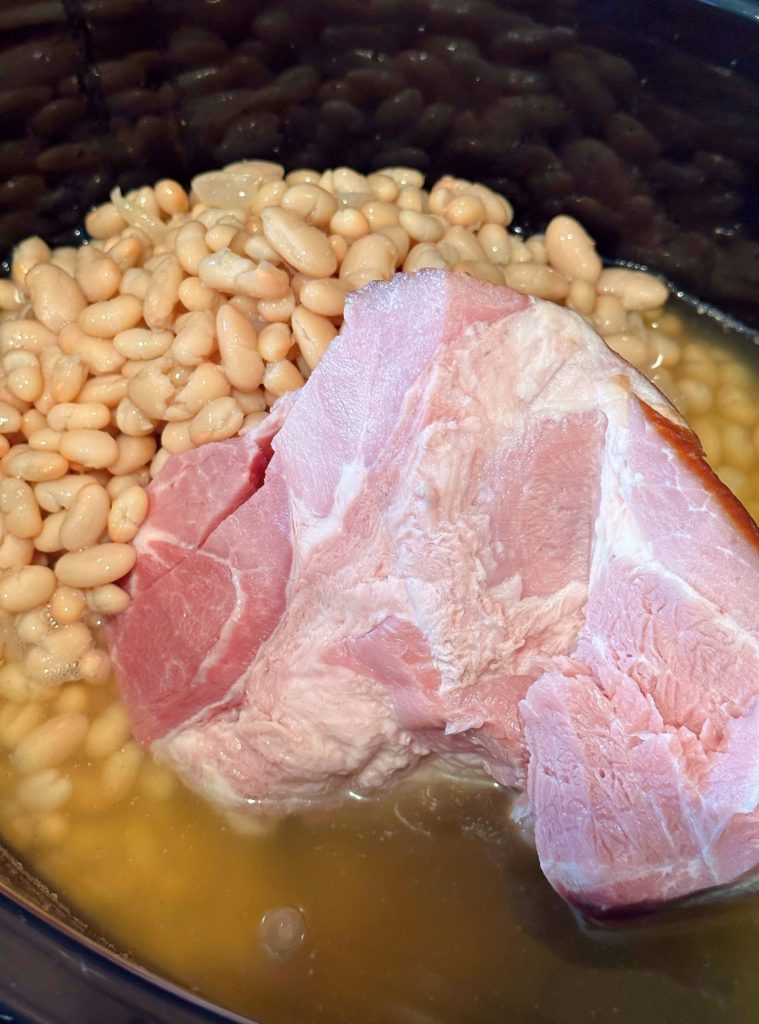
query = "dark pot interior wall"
{"x": 616, "y": 112}
{"x": 641, "y": 118}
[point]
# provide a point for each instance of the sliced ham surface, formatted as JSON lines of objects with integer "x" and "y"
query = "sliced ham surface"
{"x": 209, "y": 583}
{"x": 477, "y": 534}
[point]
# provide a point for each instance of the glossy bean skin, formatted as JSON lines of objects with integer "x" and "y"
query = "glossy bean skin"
{"x": 127, "y": 513}
{"x": 57, "y": 298}
{"x": 86, "y": 518}
{"x": 238, "y": 348}
{"x": 636, "y": 290}
{"x": 303, "y": 246}
{"x": 95, "y": 566}
{"x": 107, "y": 319}
{"x": 93, "y": 449}
{"x": 313, "y": 334}
{"x": 21, "y": 512}
{"x": 27, "y": 588}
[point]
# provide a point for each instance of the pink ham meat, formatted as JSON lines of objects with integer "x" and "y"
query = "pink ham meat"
{"x": 481, "y": 535}
{"x": 191, "y": 630}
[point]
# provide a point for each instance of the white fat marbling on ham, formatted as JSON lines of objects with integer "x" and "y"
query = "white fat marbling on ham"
{"x": 477, "y": 534}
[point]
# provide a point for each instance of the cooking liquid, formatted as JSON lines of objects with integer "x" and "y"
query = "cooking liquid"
{"x": 423, "y": 905}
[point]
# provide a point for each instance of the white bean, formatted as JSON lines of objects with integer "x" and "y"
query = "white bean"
{"x": 45, "y": 440}
{"x": 79, "y": 416}
{"x": 311, "y": 203}
{"x": 35, "y": 466}
{"x": 29, "y": 335}
{"x": 630, "y": 347}
{"x": 132, "y": 421}
{"x": 99, "y": 278}
{"x": 581, "y": 297}
{"x": 51, "y": 743}
{"x": 108, "y": 389}
{"x": 15, "y": 551}
{"x": 195, "y": 339}
{"x": 67, "y": 604}
{"x": 207, "y": 383}
{"x": 227, "y": 272}
{"x": 57, "y": 652}
{"x": 313, "y": 334}
{"x": 369, "y": 259}
{"x": 10, "y": 418}
{"x": 142, "y": 343}
{"x": 424, "y": 256}
{"x": 609, "y": 315}
{"x": 26, "y": 255}
{"x": 422, "y": 227}
{"x": 325, "y": 296}
{"x": 19, "y": 506}
{"x": 57, "y": 298}
{"x": 636, "y": 290}
{"x": 571, "y": 250}
{"x": 163, "y": 294}
{"x": 44, "y": 790}
{"x": 16, "y": 722}
{"x": 98, "y": 565}
{"x": 108, "y": 732}
{"x": 195, "y": 296}
{"x": 303, "y": 246}
{"x": 151, "y": 391}
{"x": 94, "y": 449}
{"x": 191, "y": 247}
{"x": 238, "y": 347}
{"x": 537, "y": 280}
{"x": 95, "y": 665}
{"x": 86, "y": 518}
{"x": 48, "y": 539}
{"x": 277, "y": 310}
{"x": 107, "y": 599}
{"x": 282, "y": 376}
{"x": 134, "y": 454}
{"x": 26, "y": 588}
{"x": 466, "y": 210}
{"x": 120, "y": 771}
{"x": 127, "y": 514}
{"x": 54, "y": 495}
{"x": 464, "y": 244}
{"x": 218, "y": 420}
{"x": 107, "y": 319}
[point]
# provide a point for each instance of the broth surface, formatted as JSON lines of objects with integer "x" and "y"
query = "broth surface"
{"x": 420, "y": 906}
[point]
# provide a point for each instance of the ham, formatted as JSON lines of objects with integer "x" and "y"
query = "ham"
{"x": 478, "y": 535}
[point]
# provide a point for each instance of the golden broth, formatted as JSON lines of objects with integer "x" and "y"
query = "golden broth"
{"x": 420, "y": 906}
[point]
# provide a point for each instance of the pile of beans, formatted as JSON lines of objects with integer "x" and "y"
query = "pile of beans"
{"x": 180, "y": 323}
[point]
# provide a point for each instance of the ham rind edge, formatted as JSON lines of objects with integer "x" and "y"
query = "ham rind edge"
{"x": 478, "y": 534}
